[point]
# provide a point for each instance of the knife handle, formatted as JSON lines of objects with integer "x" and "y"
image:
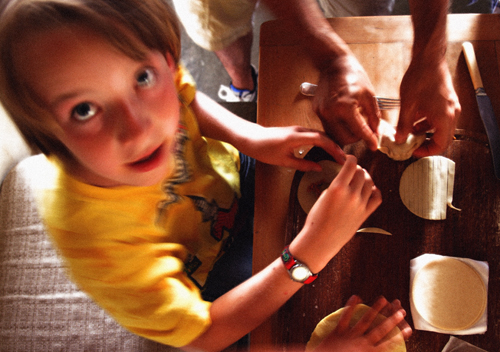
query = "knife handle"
{"x": 470, "y": 58}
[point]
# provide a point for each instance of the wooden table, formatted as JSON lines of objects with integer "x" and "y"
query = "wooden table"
{"x": 374, "y": 265}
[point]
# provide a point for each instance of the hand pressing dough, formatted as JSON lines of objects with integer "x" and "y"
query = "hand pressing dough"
{"x": 387, "y": 143}
{"x": 449, "y": 294}
{"x": 330, "y": 322}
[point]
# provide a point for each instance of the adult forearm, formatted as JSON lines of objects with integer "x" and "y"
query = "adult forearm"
{"x": 429, "y": 24}
{"x": 321, "y": 41}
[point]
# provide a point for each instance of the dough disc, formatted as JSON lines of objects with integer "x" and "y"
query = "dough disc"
{"x": 313, "y": 183}
{"x": 426, "y": 187}
{"x": 330, "y": 322}
{"x": 449, "y": 294}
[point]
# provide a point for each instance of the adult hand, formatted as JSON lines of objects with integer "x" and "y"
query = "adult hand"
{"x": 344, "y": 101}
{"x": 428, "y": 103}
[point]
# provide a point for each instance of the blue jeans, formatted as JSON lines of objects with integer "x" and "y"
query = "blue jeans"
{"x": 235, "y": 266}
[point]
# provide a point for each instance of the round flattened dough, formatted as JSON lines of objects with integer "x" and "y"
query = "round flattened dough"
{"x": 449, "y": 294}
{"x": 313, "y": 183}
{"x": 426, "y": 187}
{"x": 330, "y": 322}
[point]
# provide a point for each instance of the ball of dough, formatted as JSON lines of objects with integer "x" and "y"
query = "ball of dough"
{"x": 387, "y": 142}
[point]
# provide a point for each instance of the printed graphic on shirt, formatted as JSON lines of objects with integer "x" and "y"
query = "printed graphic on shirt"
{"x": 222, "y": 219}
{"x": 181, "y": 172}
{"x": 191, "y": 265}
{"x": 222, "y": 222}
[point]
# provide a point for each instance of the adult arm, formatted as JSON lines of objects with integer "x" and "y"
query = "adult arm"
{"x": 426, "y": 89}
{"x": 344, "y": 98}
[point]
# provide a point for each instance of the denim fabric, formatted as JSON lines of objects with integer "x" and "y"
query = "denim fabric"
{"x": 235, "y": 266}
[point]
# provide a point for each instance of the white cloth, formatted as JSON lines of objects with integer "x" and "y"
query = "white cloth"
{"x": 214, "y": 24}
{"x": 343, "y": 8}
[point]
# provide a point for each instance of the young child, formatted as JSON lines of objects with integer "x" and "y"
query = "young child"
{"x": 146, "y": 194}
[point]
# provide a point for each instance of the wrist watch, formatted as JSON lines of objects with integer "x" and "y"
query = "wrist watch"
{"x": 299, "y": 272}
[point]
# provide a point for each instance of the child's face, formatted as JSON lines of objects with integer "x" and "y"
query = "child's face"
{"x": 117, "y": 116}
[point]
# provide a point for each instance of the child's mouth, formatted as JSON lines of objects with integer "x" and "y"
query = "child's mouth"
{"x": 149, "y": 162}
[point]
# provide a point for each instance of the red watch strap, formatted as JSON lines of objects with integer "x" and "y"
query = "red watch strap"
{"x": 290, "y": 261}
{"x": 311, "y": 279}
{"x": 288, "y": 258}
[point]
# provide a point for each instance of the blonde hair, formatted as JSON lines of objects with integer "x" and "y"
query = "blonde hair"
{"x": 132, "y": 26}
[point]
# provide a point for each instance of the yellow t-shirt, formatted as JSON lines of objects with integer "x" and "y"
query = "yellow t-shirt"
{"x": 142, "y": 253}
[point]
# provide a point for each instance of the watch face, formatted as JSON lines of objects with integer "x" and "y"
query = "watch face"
{"x": 300, "y": 273}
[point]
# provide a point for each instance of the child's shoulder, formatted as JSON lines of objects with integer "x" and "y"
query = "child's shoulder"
{"x": 185, "y": 84}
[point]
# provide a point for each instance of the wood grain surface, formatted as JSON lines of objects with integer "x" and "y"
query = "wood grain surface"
{"x": 371, "y": 265}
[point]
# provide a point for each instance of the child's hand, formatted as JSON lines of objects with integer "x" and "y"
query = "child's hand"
{"x": 336, "y": 216}
{"x": 276, "y": 146}
{"x": 392, "y": 308}
{"x": 359, "y": 337}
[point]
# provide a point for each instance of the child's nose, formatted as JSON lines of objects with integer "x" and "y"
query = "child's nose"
{"x": 133, "y": 121}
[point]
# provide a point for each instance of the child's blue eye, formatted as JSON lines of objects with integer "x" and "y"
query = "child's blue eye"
{"x": 146, "y": 78}
{"x": 84, "y": 111}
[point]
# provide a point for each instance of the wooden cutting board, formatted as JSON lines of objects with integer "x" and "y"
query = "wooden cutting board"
{"x": 372, "y": 265}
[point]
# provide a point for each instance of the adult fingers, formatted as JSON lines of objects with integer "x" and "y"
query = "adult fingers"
{"x": 407, "y": 116}
{"x": 343, "y": 121}
{"x": 371, "y": 113}
{"x": 439, "y": 141}
{"x": 357, "y": 124}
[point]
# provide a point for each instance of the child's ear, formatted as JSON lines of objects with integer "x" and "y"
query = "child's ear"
{"x": 171, "y": 62}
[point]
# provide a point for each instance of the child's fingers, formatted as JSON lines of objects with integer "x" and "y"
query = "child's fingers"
{"x": 303, "y": 165}
{"x": 347, "y": 313}
{"x": 366, "y": 321}
{"x": 363, "y": 185}
{"x": 308, "y": 136}
{"x": 374, "y": 201}
{"x": 379, "y": 332}
{"x": 368, "y": 186}
{"x": 405, "y": 329}
{"x": 348, "y": 170}
{"x": 358, "y": 180}
{"x": 392, "y": 307}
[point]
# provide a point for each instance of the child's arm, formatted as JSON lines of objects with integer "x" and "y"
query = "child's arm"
{"x": 331, "y": 223}
{"x": 272, "y": 145}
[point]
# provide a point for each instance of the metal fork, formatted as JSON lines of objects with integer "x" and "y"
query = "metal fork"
{"x": 309, "y": 90}
{"x": 387, "y": 103}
